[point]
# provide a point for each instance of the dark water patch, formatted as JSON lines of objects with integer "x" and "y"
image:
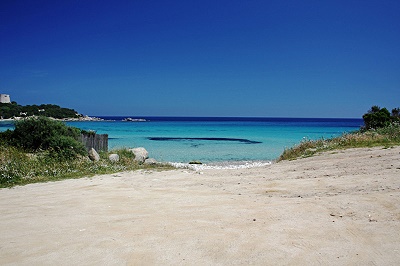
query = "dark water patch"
{"x": 196, "y": 145}
{"x": 245, "y": 141}
{"x": 282, "y": 121}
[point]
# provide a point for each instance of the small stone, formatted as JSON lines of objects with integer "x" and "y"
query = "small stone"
{"x": 113, "y": 157}
{"x": 150, "y": 161}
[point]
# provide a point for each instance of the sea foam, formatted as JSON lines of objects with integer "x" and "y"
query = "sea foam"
{"x": 223, "y": 165}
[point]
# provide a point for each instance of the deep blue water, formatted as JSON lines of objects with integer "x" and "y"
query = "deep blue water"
{"x": 215, "y": 139}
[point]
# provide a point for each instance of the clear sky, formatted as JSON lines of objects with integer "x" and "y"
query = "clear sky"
{"x": 202, "y": 58}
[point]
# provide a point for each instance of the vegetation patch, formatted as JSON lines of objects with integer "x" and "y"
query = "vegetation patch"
{"x": 385, "y": 137}
{"x": 35, "y": 134}
{"x": 40, "y": 149}
{"x": 381, "y": 129}
{"x": 18, "y": 167}
{"x": 11, "y": 110}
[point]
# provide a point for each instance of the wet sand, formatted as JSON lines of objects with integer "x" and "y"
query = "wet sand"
{"x": 338, "y": 208}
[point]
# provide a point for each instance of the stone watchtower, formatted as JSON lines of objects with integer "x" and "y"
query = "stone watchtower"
{"x": 5, "y": 98}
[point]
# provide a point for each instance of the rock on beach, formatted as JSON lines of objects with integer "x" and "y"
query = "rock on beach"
{"x": 113, "y": 157}
{"x": 141, "y": 154}
{"x": 93, "y": 155}
{"x": 150, "y": 161}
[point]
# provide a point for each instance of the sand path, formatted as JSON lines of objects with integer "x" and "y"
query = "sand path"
{"x": 339, "y": 208}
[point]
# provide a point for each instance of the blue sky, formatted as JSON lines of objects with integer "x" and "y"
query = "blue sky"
{"x": 202, "y": 58}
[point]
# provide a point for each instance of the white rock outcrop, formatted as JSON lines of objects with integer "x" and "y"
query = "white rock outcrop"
{"x": 141, "y": 154}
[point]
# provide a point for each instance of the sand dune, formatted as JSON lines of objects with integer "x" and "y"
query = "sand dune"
{"x": 340, "y": 208}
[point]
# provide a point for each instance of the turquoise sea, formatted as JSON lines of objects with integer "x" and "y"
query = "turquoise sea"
{"x": 215, "y": 140}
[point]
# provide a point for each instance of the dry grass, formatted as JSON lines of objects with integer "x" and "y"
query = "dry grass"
{"x": 386, "y": 137}
{"x": 19, "y": 168}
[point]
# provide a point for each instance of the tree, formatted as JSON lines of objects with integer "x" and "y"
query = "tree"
{"x": 396, "y": 112}
{"x": 10, "y": 110}
{"x": 374, "y": 109}
{"x": 377, "y": 117}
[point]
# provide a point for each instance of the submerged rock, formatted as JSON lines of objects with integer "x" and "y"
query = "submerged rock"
{"x": 195, "y": 162}
{"x": 93, "y": 155}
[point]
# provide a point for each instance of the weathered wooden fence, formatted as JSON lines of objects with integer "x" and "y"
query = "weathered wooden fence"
{"x": 97, "y": 141}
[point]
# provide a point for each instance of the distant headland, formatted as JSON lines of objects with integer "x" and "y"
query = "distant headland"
{"x": 11, "y": 110}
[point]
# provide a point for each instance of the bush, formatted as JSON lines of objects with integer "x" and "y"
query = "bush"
{"x": 65, "y": 147}
{"x": 43, "y": 134}
{"x": 377, "y": 118}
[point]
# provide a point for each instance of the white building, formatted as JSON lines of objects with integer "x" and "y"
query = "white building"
{"x": 5, "y": 98}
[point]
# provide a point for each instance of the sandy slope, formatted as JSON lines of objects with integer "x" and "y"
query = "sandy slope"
{"x": 333, "y": 209}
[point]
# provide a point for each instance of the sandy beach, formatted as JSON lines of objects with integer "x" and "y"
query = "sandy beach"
{"x": 338, "y": 208}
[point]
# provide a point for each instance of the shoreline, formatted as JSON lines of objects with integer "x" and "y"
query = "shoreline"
{"x": 222, "y": 165}
{"x": 339, "y": 207}
{"x": 174, "y": 145}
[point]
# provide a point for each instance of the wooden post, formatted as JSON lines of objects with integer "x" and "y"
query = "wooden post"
{"x": 99, "y": 142}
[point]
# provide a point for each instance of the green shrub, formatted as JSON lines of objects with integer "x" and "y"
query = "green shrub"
{"x": 125, "y": 156}
{"x": 65, "y": 147}
{"x": 13, "y": 164}
{"x": 6, "y": 136}
{"x": 377, "y": 118}
{"x": 41, "y": 133}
